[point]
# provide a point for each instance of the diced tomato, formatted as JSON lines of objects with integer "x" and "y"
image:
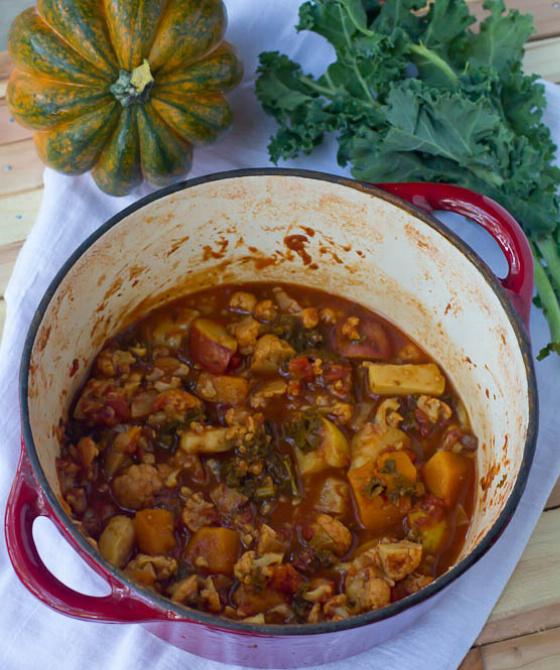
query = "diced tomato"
{"x": 286, "y": 579}
{"x": 336, "y": 372}
{"x": 423, "y": 422}
{"x": 300, "y": 368}
{"x": 119, "y": 405}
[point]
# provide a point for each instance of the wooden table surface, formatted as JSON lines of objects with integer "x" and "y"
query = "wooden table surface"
{"x": 523, "y": 631}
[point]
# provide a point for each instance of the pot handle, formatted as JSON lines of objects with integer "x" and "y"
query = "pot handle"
{"x": 25, "y": 504}
{"x": 518, "y": 284}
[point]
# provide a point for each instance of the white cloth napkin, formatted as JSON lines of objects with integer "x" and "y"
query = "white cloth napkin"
{"x": 73, "y": 208}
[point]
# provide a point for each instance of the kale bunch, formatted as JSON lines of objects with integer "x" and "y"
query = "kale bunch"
{"x": 416, "y": 95}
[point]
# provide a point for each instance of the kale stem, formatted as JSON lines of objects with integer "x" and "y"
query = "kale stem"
{"x": 356, "y": 68}
{"x": 323, "y": 90}
{"x": 356, "y": 23}
{"x": 550, "y": 306}
{"x": 428, "y": 54}
{"x": 549, "y": 252}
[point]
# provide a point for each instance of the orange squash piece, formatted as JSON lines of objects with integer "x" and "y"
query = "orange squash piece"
{"x": 445, "y": 474}
{"x": 214, "y": 549}
{"x": 392, "y": 468}
{"x": 154, "y": 531}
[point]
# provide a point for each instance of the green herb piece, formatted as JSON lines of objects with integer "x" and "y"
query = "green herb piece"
{"x": 305, "y": 433}
{"x": 373, "y": 488}
{"x": 420, "y": 96}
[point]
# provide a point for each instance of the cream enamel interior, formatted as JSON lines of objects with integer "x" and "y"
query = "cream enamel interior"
{"x": 364, "y": 248}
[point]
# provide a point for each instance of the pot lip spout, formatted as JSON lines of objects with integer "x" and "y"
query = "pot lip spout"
{"x": 177, "y": 612}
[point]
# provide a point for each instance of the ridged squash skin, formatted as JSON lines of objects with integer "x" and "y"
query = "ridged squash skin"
{"x": 124, "y": 88}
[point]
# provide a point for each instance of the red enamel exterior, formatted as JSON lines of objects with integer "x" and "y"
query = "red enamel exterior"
{"x": 286, "y": 649}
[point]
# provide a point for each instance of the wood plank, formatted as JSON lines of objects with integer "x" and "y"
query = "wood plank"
{"x": 531, "y": 600}
{"x": 473, "y": 660}
{"x": 543, "y": 58}
{"x": 5, "y": 70}
{"x": 554, "y": 498}
{"x": 17, "y": 215}
{"x": 10, "y": 130}
{"x": 8, "y": 256}
{"x": 546, "y": 14}
{"x": 2, "y": 316}
{"x": 20, "y": 167}
{"x": 540, "y": 651}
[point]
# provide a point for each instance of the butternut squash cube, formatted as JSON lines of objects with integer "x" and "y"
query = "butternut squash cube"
{"x": 154, "y": 531}
{"x": 376, "y": 511}
{"x": 214, "y": 550}
{"x": 445, "y": 474}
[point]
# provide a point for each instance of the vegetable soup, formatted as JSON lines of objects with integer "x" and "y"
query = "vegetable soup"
{"x": 270, "y": 453}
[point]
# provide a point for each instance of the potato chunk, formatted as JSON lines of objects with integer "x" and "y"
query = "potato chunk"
{"x": 211, "y": 345}
{"x": 330, "y": 534}
{"x": 334, "y": 497}
{"x": 210, "y": 440}
{"x": 333, "y": 451}
{"x": 169, "y": 330}
{"x": 405, "y": 379}
{"x": 214, "y": 550}
{"x": 117, "y": 540}
{"x": 222, "y": 389}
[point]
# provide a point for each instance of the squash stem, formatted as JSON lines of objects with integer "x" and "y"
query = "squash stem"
{"x": 132, "y": 88}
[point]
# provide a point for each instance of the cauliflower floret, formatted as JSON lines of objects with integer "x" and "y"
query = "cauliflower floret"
{"x": 248, "y": 566}
{"x": 87, "y": 451}
{"x": 434, "y": 409}
{"x": 411, "y": 584}
{"x": 241, "y": 301}
{"x": 244, "y": 567}
{"x": 336, "y": 608}
{"x": 135, "y": 488}
{"x": 342, "y": 412}
{"x": 114, "y": 362}
{"x": 270, "y": 352}
{"x": 265, "y": 311}
{"x": 350, "y": 329}
{"x": 271, "y": 541}
{"x": 198, "y": 512}
{"x": 399, "y": 559}
{"x": 388, "y": 413}
{"x": 367, "y": 590}
{"x": 184, "y": 591}
{"x": 269, "y": 391}
{"x": 158, "y": 567}
{"x": 245, "y": 331}
{"x": 320, "y": 590}
{"x": 210, "y": 596}
{"x": 176, "y": 403}
{"x": 330, "y": 534}
{"x": 309, "y": 317}
{"x": 228, "y": 501}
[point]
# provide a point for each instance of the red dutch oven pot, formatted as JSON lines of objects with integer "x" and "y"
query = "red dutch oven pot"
{"x": 380, "y": 246}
